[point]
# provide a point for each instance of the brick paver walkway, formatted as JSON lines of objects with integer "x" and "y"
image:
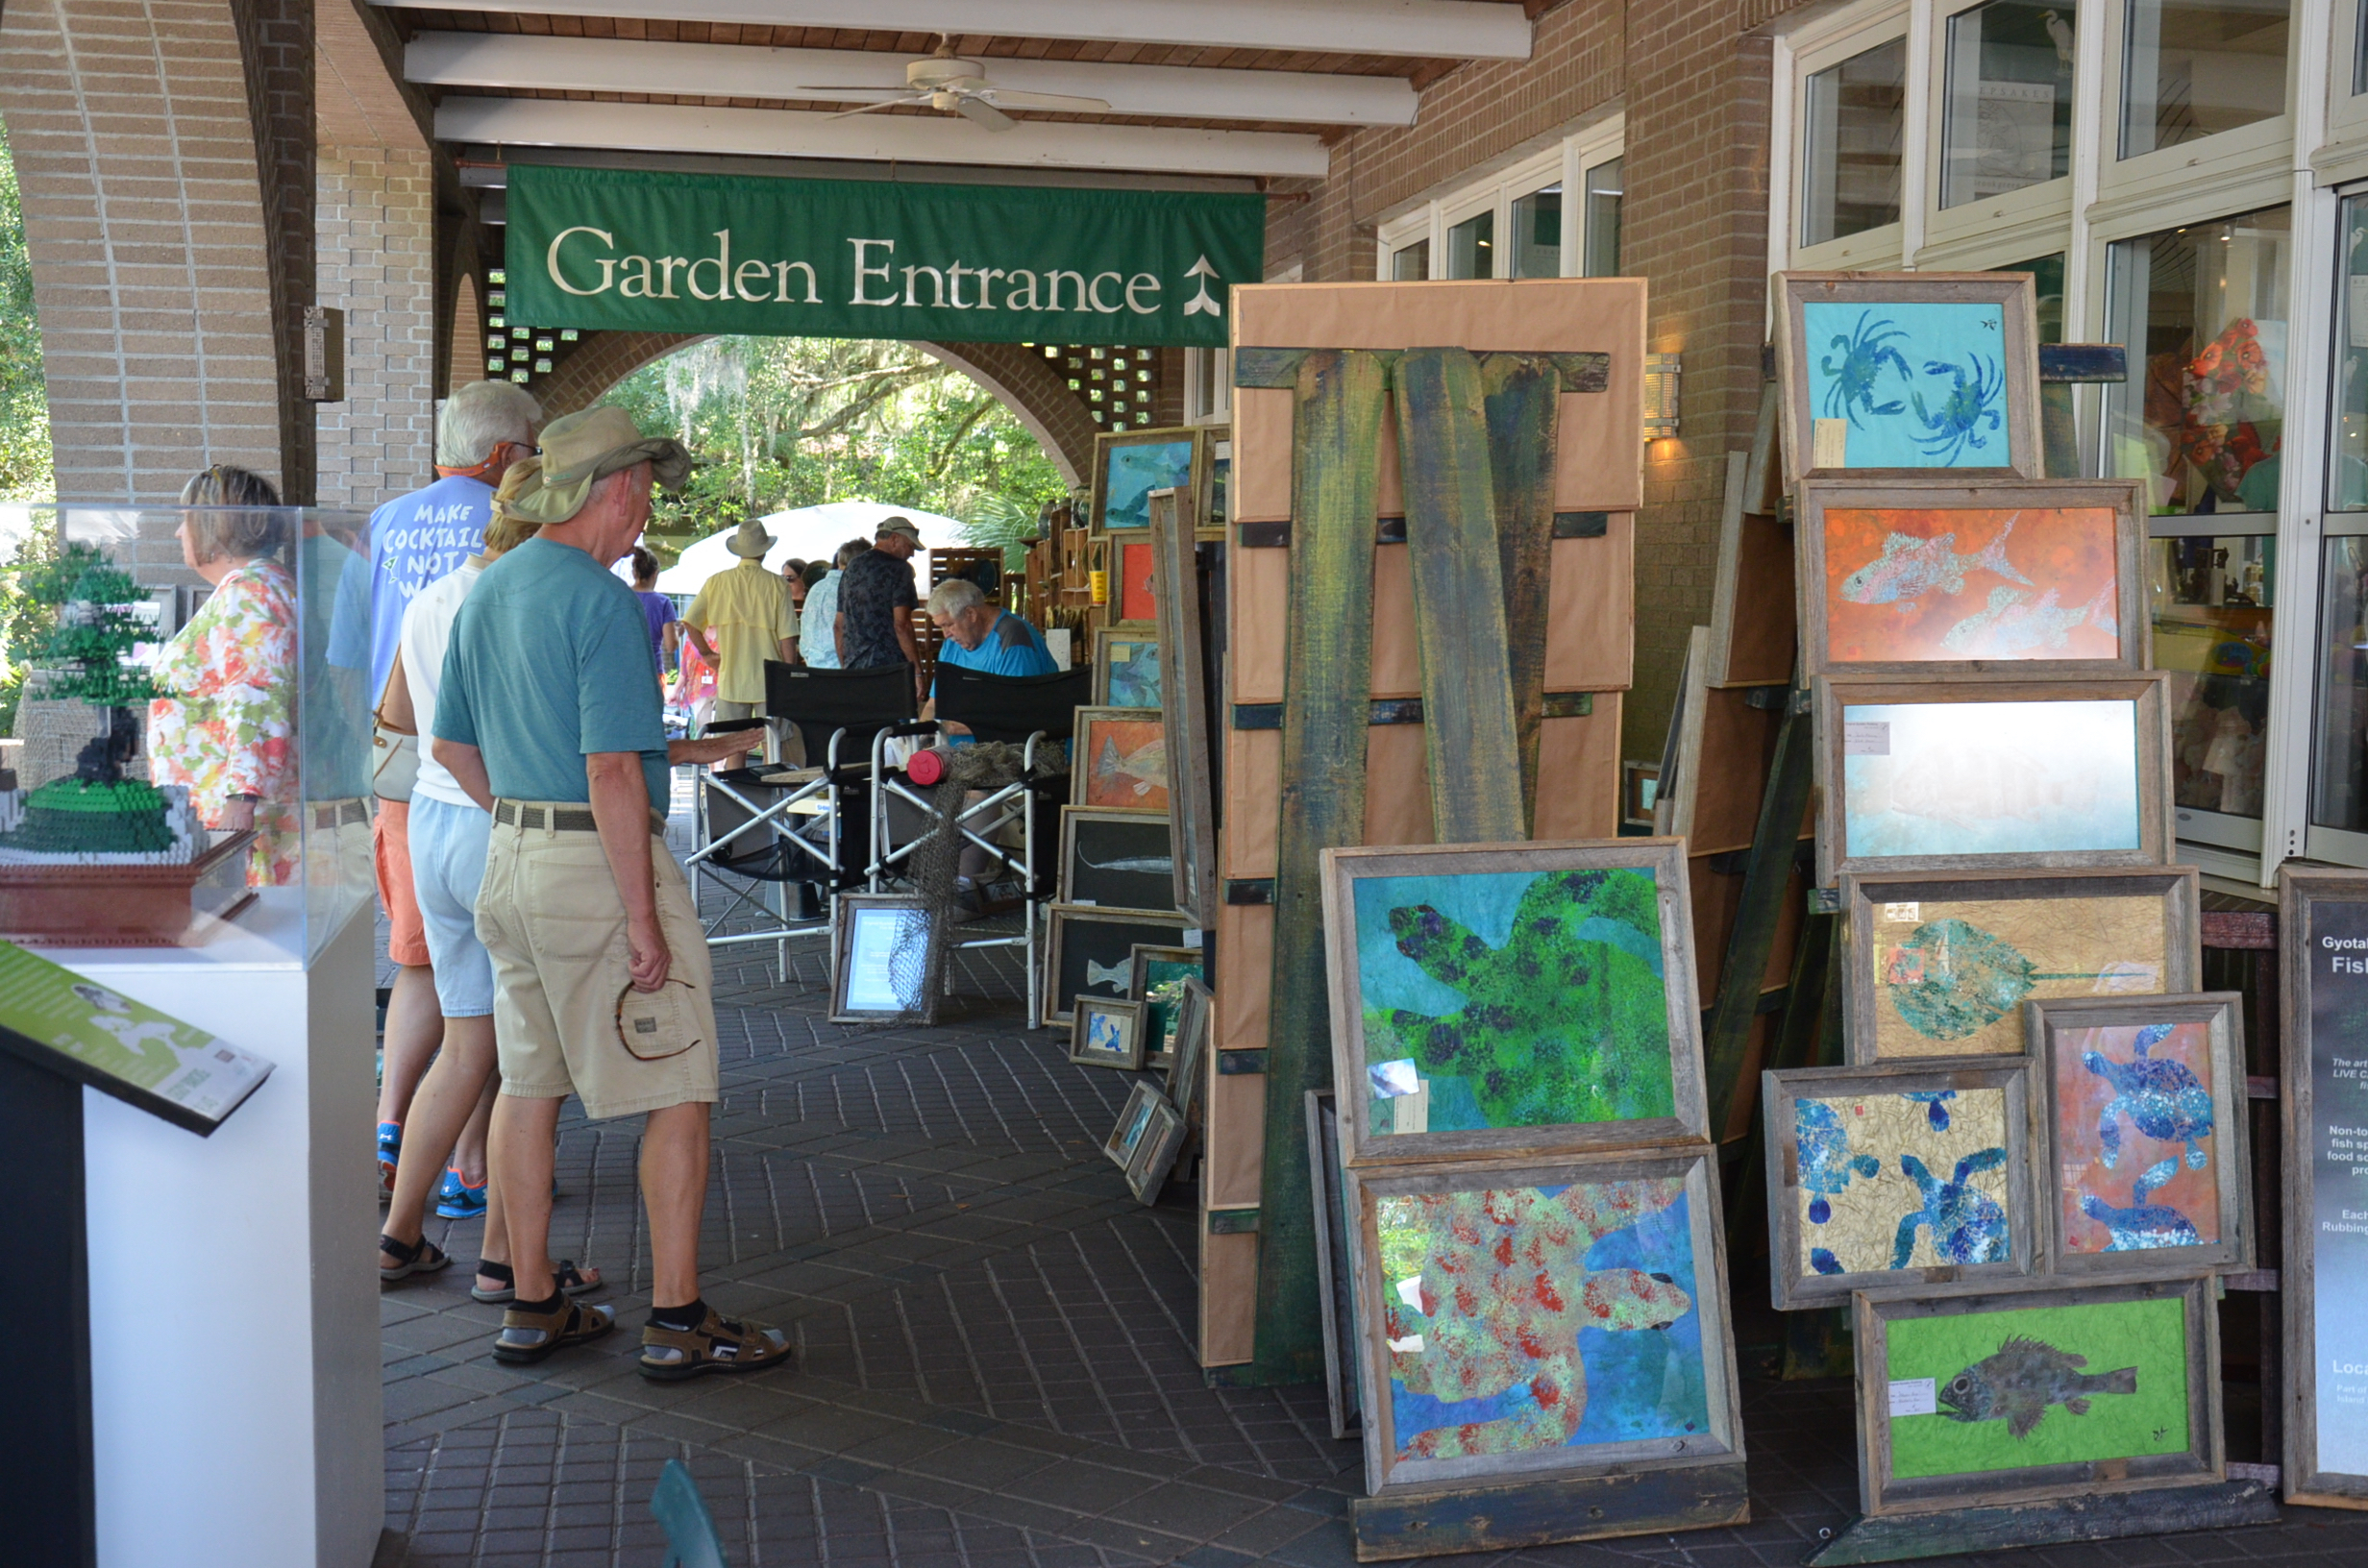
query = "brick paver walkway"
{"x": 993, "y": 1348}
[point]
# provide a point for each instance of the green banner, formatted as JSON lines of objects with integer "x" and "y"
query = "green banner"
{"x": 709, "y": 252}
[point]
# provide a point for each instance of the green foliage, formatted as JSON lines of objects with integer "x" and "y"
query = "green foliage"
{"x": 25, "y": 621}
{"x": 775, "y": 423}
{"x": 25, "y": 467}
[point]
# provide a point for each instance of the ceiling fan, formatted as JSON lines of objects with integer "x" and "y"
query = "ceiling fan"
{"x": 952, "y": 84}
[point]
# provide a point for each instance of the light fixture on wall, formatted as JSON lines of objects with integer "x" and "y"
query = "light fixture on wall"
{"x": 1661, "y": 375}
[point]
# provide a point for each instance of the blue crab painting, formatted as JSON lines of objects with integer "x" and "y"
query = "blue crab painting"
{"x": 1827, "y": 1164}
{"x": 1973, "y": 404}
{"x": 2164, "y": 1099}
{"x": 2145, "y": 1224}
{"x": 1968, "y": 1226}
{"x": 1867, "y": 349}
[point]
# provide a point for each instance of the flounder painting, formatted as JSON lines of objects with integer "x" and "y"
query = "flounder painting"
{"x": 1120, "y": 758}
{"x": 1942, "y": 585}
{"x": 1951, "y": 976}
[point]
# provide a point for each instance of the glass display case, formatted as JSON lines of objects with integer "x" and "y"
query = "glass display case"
{"x": 2212, "y": 600}
{"x": 195, "y": 767}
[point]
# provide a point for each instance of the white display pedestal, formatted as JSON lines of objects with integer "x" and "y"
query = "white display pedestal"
{"x": 236, "y": 1411}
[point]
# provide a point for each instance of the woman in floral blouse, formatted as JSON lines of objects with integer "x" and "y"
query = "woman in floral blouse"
{"x": 226, "y": 723}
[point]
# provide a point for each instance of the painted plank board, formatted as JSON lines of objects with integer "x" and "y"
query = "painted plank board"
{"x": 1520, "y": 397}
{"x": 2206, "y": 1509}
{"x": 1573, "y": 1508}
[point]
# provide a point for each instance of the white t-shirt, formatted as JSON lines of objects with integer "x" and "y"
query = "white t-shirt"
{"x": 426, "y": 631}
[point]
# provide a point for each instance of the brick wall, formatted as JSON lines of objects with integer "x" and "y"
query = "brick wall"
{"x": 275, "y": 38}
{"x": 375, "y": 233}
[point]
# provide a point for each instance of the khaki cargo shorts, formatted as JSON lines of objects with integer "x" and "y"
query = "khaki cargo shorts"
{"x": 549, "y": 915}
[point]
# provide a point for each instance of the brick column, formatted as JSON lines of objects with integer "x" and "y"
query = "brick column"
{"x": 374, "y": 228}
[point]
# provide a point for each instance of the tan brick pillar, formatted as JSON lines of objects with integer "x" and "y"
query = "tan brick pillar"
{"x": 375, "y": 228}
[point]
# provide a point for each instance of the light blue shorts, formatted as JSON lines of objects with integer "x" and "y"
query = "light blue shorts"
{"x": 448, "y": 862}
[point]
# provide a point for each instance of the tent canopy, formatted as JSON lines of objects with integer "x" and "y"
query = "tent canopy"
{"x": 809, "y": 532}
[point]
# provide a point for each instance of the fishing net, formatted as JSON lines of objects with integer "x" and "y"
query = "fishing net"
{"x": 917, "y": 963}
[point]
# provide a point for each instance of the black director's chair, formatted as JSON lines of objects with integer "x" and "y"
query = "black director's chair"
{"x": 774, "y": 827}
{"x": 1028, "y": 711}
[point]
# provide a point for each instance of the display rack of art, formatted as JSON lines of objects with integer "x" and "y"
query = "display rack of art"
{"x": 1184, "y": 707}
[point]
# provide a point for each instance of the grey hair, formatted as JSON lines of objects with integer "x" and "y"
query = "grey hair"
{"x": 478, "y": 417}
{"x": 235, "y": 515}
{"x": 954, "y": 595}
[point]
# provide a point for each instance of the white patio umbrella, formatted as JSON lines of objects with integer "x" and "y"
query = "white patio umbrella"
{"x": 808, "y": 532}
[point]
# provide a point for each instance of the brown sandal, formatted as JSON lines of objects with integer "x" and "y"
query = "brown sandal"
{"x": 720, "y": 1344}
{"x": 528, "y": 1337}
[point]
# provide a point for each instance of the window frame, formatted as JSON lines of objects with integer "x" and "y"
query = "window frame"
{"x": 1872, "y": 250}
{"x": 1563, "y": 163}
{"x": 2211, "y": 169}
{"x": 2041, "y": 210}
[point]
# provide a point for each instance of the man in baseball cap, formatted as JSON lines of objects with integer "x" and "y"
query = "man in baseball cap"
{"x": 876, "y": 601}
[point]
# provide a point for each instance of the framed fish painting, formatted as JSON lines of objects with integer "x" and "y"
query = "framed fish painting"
{"x": 1941, "y": 965}
{"x": 1994, "y": 775}
{"x": 2143, "y": 1133}
{"x": 1091, "y": 952}
{"x": 1942, "y": 579}
{"x": 1132, "y": 601}
{"x": 1125, "y": 669}
{"x": 1119, "y": 757}
{"x": 2021, "y": 1392}
{"x": 1128, "y": 465}
{"x": 1886, "y": 1175}
{"x": 1469, "y": 1372}
{"x": 1888, "y": 374}
{"x": 1511, "y": 999}
{"x": 1116, "y": 859}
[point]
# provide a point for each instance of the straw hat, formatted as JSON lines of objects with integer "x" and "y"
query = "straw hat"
{"x": 580, "y": 450}
{"x": 749, "y": 540}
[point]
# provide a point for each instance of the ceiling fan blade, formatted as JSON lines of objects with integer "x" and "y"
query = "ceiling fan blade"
{"x": 857, "y": 92}
{"x": 977, "y": 110}
{"x": 1005, "y": 99}
{"x": 889, "y": 103}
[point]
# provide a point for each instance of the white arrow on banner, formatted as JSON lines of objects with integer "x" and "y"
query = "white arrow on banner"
{"x": 1203, "y": 304}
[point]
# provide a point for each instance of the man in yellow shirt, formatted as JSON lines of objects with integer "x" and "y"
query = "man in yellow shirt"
{"x": 740, "y": 619}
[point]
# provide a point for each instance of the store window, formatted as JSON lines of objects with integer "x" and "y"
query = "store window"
{"x": 1537, "y": 234}
{"x": 1857, "y": 115}
{"x": 2047, "y": 288}
{"x": 2347, "y": 485}
{"x": 2194, "y": 68}
{"x": 1472, "y": 247}
{"x": 2211, "y": 605}
{"x": 1602, "y": 211}
{"x": 1411, "y": 263}
{"x": 2006, "y": 109}
{"x": 2204, "y": 310}
{"x": 2340, "y": 786}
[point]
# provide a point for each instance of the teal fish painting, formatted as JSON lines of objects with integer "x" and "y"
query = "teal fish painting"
{"x": 1910, "y": 568}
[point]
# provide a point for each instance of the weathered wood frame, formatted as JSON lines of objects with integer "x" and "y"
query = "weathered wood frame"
{"x": 1817, "y": 497}
{"x": 2301, "y": 890}
{"x": 1779, "y": 1090}
{"x": 1097, "y": 525}
{"x": 2204, "y": 1460}
{"x": 1137, "y": 987}
{"x": 1081, "y": 746}
{"x": 2232, "y": 1163}
{"x": 1155, "y": 1156}
{"x": 1663, "y": 858}
{"x": 1059, "y": 918}
{"x": 2149, "y": 690}
{"x": 1073, "y": 816}
{"x": 1081, "y": 1019}
{"x": 1863, "y": 892}
{"x": 1113, "y": 1148}
{"x": 1340, "y": 1317}
{"x": 1191, "y": 1043}
{"x": 1184, "y": 706}
{"x": 2013, "y": 292}
{"x": 1103, "y": 637}
{"x": 1387, "y": 1475}
{"x": 1633, "y": 775}
{"x": 842, "y": 955}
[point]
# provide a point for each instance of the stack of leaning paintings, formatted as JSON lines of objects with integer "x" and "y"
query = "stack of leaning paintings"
{"x": 2033, "y": 1163}
{"x": 1536, "y": 1333}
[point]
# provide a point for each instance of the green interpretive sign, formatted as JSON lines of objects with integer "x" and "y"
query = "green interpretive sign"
{"x": 79, "y": 1028}
{"x": 630, "y": 250}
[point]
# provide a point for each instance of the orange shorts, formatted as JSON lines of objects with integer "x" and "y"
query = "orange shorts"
{"x": 390, "y": 853}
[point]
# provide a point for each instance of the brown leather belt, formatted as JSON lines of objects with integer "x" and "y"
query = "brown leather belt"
{"x": 559, "y": 819}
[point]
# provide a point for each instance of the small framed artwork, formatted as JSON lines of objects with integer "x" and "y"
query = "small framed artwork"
{"x": 1125, "y": 669}
{"x": 1153, "y": 1158}
{"x": 1119, "y": 758}
{"x": 1992, "y": 775}
{"x": 1089, "y": 952}
{"x": 1883, "y": 1175}
{"x": 1157, "y": 981}
{"x": 1184, "y": 708}
{"x": 2029, "y": 1390}
{"x": 1134, "y": 1120}
{"x": 879, "y": 960}
{"x": 1941, "y": 964}
{"x": 2016, "y": 578}
{"x": 1195, "y": 1015}
{"x": 1906, "y": 373}
{"x": 1106, "y": 1034}
{"x": 1128, "y": 465}
{"x": 1639, "y": 786}
{"x": 1116, "y": 859}
{"x": 1511, "y": 999}
{"x": 1213, "y": 516}
{"x": 1470, "y": 1373}
{"x": 2142, "y": 1135}
{"x": 1332, "y": 1284}
{"x": 1131, "y": 599}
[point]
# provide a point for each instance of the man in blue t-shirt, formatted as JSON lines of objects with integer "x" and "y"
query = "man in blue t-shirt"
{"x": 983, "y": 636}
{"x": 548, "y": 717}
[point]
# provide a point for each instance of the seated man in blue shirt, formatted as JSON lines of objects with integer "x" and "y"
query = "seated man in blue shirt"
{"x": 984, "y": 636}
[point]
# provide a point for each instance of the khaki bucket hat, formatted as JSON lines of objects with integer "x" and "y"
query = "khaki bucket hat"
{"x": 580, "y": 450}
{"x": 749, "y": 540}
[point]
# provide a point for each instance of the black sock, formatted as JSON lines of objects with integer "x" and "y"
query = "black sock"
{"x": 558, "y": 1299}
{"x": 681, "y": 1319}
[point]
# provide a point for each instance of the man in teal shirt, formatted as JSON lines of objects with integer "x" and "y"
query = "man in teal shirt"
{"x": 549, "y": 717}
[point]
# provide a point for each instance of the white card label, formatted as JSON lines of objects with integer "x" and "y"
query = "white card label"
{"x": 1192, "y": 939}
{"x": 1829, "y": 443}
{"x": 1914, "y": 1396}
{"x": 1904, "y": 914}
{"x": 1866, "y": 738}
{"x": 1410, "y": 1345}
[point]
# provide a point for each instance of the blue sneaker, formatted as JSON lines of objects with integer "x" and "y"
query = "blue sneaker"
{"x": 390, "y": 1155}
{"x": 456, "y": 1199}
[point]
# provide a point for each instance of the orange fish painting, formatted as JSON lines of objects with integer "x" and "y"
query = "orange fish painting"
{"x": 1914, "y": 585}
{"x": 1127, "y": 763}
